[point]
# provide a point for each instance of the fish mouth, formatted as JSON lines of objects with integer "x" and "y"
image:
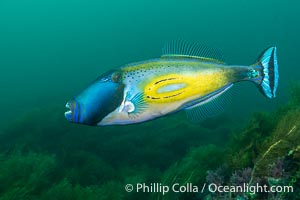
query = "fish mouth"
{"x": 68, "y": 113}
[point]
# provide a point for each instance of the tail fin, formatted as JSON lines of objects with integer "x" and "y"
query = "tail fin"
{"x": 268, "y": 72}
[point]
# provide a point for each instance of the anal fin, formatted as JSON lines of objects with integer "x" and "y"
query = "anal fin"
{"x": 210, "y": 105}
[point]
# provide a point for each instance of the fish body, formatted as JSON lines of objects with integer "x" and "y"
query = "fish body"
{"x": 143, "y": 91}
{"x": 167, "y": 85}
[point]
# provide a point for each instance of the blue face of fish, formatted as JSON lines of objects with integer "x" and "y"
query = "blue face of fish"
{"x": 99, "y": 99}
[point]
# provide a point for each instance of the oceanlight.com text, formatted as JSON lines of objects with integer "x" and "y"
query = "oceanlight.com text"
{"x": 246, "y": 188}
{"x": 213, "y": 188}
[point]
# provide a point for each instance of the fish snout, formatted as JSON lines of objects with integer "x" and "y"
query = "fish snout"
{"x": 72, "y": 111}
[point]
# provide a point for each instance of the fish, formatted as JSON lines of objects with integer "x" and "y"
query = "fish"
{"x": 187, "y": 76}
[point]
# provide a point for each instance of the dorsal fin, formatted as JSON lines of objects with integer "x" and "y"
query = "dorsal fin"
{"x": 182, "y": 48}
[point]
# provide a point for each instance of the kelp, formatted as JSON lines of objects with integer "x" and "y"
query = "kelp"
{"x": 266, "y": 152}
{"x": 284, "y": 141}
{"x": 244, "y": 145}
{"x": 23, "y": 176}
{"x": 191, "y": 169}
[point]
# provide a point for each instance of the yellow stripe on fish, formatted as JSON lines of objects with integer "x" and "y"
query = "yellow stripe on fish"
{"x": 173, "y": 87}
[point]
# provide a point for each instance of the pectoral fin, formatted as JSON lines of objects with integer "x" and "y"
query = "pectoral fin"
{"x": 134, "y": 106}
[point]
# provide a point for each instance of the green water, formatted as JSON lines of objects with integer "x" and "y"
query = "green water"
{"x": 50, "y": 50}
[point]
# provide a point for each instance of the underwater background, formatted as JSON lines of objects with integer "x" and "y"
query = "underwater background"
{"x": 50, "y": 50}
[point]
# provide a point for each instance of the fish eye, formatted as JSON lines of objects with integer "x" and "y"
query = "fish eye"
{"x": 116, "y": 77}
